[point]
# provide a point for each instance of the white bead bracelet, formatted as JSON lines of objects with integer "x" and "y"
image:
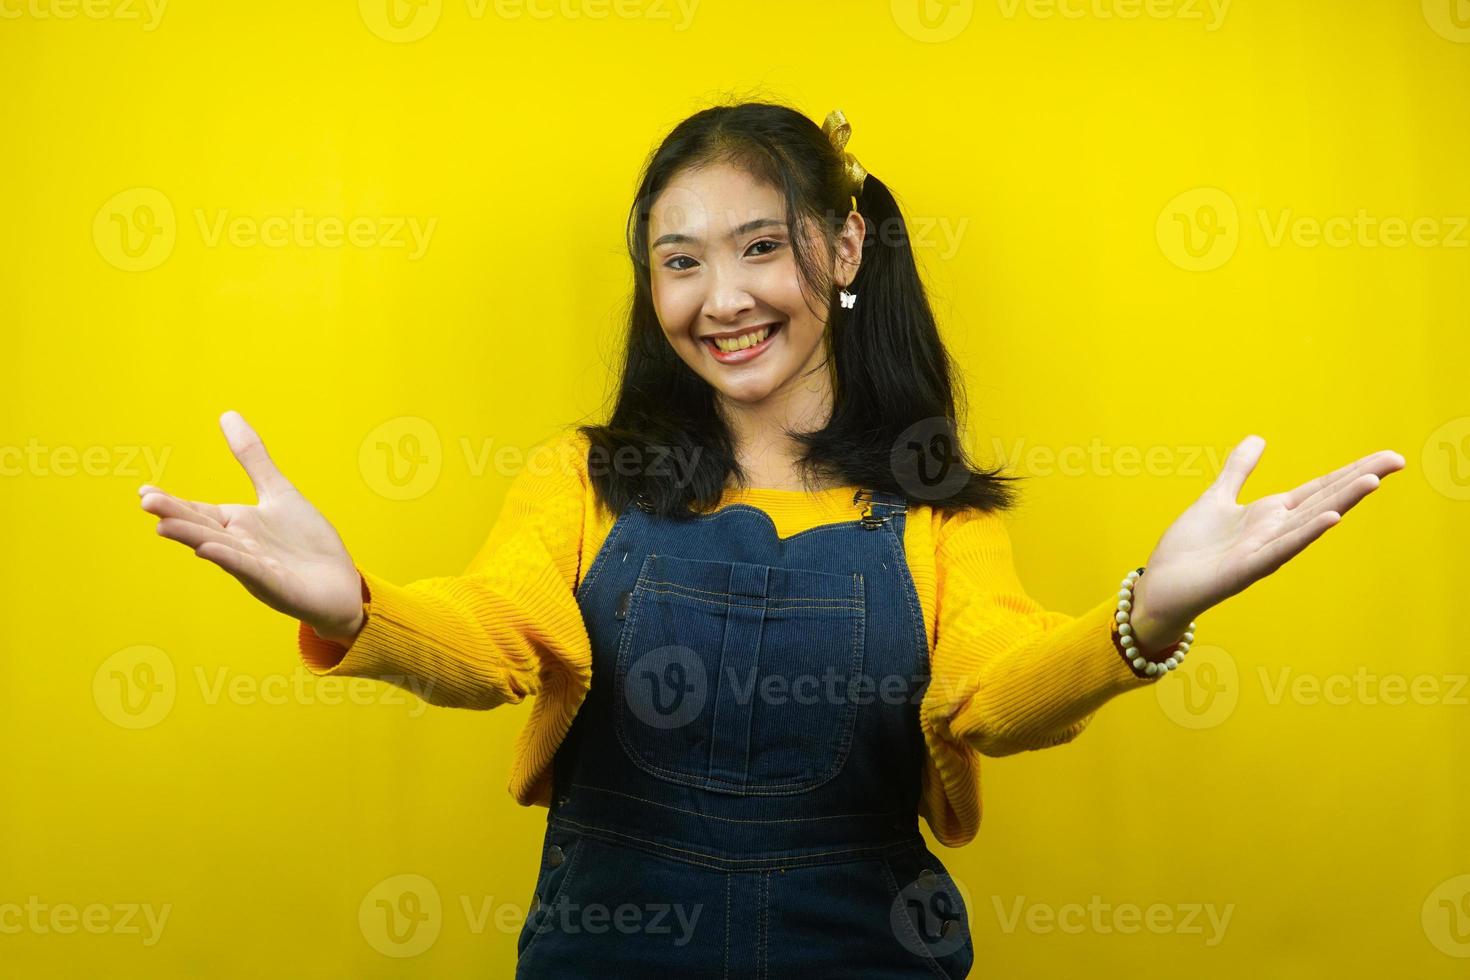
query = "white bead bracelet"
{"x": 1128, "y": 645}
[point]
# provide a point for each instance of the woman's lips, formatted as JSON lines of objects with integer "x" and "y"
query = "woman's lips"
{"x": 741, "y": 356}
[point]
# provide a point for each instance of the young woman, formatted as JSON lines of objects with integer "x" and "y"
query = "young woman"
{"x": 768, "y": 611}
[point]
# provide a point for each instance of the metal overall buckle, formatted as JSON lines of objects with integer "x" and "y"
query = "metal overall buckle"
{"x": 873, "y": 521}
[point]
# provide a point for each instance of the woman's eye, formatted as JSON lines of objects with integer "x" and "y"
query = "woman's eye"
{"x": 684, "y": 258}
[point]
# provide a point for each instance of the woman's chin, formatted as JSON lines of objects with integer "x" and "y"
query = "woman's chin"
{"x": 747, "y": 392}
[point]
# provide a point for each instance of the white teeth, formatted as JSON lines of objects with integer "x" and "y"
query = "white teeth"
{"x": 731, "y": 344}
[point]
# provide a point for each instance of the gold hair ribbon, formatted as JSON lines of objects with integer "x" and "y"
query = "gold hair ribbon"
{"x": 839, "y": 131}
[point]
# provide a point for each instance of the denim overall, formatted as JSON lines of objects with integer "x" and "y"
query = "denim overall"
{"x": 738, "y": 794}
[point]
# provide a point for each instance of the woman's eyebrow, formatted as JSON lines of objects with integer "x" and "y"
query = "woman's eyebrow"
{"x": 677, "y": 238}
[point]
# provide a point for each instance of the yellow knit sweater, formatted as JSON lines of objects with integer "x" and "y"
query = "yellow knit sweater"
{"x": 1007, "y": 675}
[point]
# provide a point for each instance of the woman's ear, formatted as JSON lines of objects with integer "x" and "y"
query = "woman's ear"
{"x": 849, "y": 249}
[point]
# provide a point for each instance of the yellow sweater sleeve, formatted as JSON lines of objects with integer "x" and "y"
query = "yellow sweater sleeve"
{"x": 508, "y": 627}
{"x": 1016, "y": 676}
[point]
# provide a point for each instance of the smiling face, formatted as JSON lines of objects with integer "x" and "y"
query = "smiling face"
{"x": 726, "y": 286}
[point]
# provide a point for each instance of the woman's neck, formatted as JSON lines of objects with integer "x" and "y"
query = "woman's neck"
{"x": 767, "y": 457}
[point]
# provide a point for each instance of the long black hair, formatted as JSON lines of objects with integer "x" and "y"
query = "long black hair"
{"x": 893, "y": 424}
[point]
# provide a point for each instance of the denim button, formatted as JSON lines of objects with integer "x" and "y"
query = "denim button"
{"x": 950, "y": 928}
{"x": 563, "y": 800}
{"x": 535, "y": 904}
{"x": 927, "y": 880}
{"x": 554, "y": 856}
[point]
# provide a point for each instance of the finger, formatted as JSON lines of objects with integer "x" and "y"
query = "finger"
{"x": 1340, "y": 501}
{"x": 1277, "y": 552}
{"x": 1306, "y": 491}
{"x": 1241, "y": 461}
{"x": 1382, "y": 463}
{"x": 165, "y": 505}
{"x": 214, "y": 512}
{"x": 1330, "y": 486}
{"x": 192, "y": 533}
{"x": 209, "y": 511}
{"x": 250, "y": 452}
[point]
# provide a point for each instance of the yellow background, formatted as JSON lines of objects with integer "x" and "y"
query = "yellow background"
{"x": 1064, "y": 150}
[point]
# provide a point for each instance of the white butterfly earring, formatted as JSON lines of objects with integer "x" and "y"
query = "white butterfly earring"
{"x": 848, "y": 299}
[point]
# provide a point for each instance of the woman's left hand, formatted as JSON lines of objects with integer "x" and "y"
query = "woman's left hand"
{"x": 1218, "y": 547}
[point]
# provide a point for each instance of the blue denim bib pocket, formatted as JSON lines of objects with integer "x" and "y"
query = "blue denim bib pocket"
{"x": 738, "y": 677}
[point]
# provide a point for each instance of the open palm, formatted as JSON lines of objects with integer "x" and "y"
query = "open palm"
{"x": 281, "y": 549}
{"x": 1218, "y": 547}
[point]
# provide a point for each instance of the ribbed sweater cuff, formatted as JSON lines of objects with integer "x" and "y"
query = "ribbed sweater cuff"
{"x": 401, "y": 641}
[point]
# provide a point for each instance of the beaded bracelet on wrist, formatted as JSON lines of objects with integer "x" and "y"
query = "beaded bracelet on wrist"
{"x": 1127, "y": 645}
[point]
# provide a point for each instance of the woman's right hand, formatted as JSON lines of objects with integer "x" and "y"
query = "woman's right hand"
{"x": 282, "y": 549}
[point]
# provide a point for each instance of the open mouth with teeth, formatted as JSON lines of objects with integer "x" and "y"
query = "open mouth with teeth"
{"x": 743, "y": 346}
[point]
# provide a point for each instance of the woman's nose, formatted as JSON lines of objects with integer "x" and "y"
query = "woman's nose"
{"x": 729, "y": 297}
